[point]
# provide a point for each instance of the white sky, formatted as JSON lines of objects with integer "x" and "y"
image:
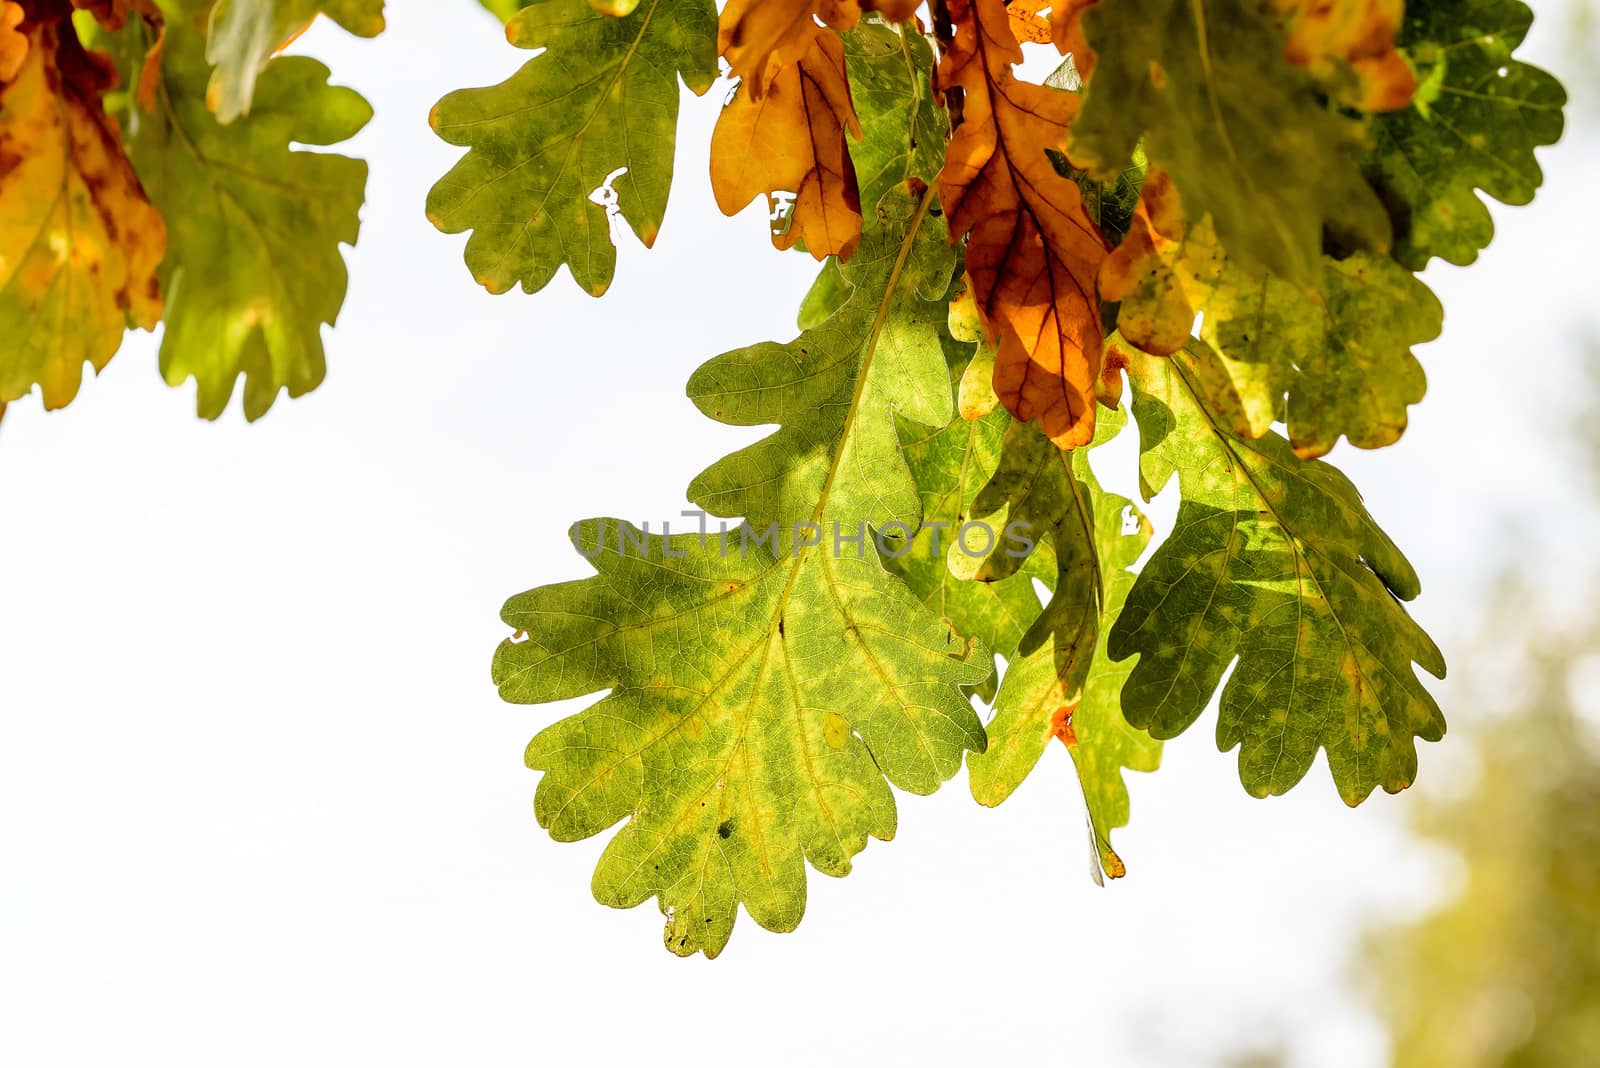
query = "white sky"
{"x": 262, "y": 805}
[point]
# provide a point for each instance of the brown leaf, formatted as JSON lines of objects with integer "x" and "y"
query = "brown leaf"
{"x": 1162, "y": 271}
{"x": 79, "y": 241}
{"x": 759, "y": 38}
{"x": 792, "y": 139}
{"x": 1032, "y": 253}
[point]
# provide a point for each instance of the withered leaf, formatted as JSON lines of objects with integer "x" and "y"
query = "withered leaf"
{"x": 79, "y": 241}
{"x": 791, "y": 139}
{"x": 759, "y": 38}
{"x": 1032, "y": 252}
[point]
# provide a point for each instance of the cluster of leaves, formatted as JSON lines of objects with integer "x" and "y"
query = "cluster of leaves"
{"x": 999, "y": 255}
{"x": 148, "y": 173}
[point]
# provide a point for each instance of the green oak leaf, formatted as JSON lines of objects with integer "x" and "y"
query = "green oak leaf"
{"x": 1059, "y": 682}
{"x": 950, "y": 465}
{"x": 1336, "y": 364}
{"x": 1245, "y": 135}
{"x": 595, "y": 113}
{"x": 903, "y": 132}
{"x": 245, "y": 33}
{"x": 764, "y": 682}
{"x": 1477, "y": 118}
{"x": 1273, "y": 560}
{"x": 504, "y": 9}
{"x": 827, "y": 295}
{"x": 253, "y": 267}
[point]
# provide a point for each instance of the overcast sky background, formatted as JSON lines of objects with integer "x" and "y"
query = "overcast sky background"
{"x": 260, "y": 804}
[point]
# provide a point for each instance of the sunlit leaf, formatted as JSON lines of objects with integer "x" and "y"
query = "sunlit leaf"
{"x": 1273, "y": 562}
{"x": 597, "y": 109}
{"x": 253, "y": 270}
{"x": 1477, "y": 119}
{"x": 79, "y": 240}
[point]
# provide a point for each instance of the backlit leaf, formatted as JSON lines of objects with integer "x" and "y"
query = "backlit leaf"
{"x": 1358, "y": 35}
{"x": 13, "y": 42}
{"x": 1275, "y": 562}
{"x": 903, "y": 130}
{"x": 791, "y": 139}
{"x": 759, "y": 38}
{"x": 254, "y": 268}
{"x": 950, "y": 465}
{"x": 1344, "y": 360}
{"x": 597, "y": 109}
{"x": 245, "y": 33}
{"x": 79, "y": 240}
{"x": 762, "y": 692}
{"x": 1477, "y": 119}
{"x": 1059, "y": 683}
{"x": 1248, "y": 137}
{"x": 1032, "y": 253}
{"x": 1163, "y": 271}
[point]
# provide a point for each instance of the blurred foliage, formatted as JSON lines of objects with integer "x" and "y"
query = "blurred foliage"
{"x": 1507, "y": 972}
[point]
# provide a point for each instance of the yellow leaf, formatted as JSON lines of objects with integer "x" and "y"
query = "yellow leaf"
{"x": 1360, "y": 33}
{"x": 759, "y": 38}
{"x": 1032, "y": 252}
{"x": 79, "y": 242}
{"x": 13, "y": 44}
{"x": 1027, "y": 21}
{"x": 791, "y": 139}
{"x": 1163, "y": 271}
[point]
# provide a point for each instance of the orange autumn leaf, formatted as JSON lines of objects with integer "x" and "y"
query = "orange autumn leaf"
{"x": 1028, "y": 22}
{"x": 1066, "y": 30}
{"x": 1360, "y": 33}
{"x": 79, "y": 241}
{"x": 1163, "y": 270}
{"x": 13, "y": 43}
{"x": 1032, "y": 252}
{"x": 791, "y": 139}
{"x": 759, "y": 38}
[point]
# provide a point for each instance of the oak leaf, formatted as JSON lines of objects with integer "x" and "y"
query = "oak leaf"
{"x": 254, "y": 269}
{"x": 1274, "y": 561}
{"x": 903, "y": 130}
{"x": 950, "y": 464}
{"x": 1336, "y": 361}
{"x": 1060, "y": 682}
{"x": 1477, "y": 119}
{"x": 245, "y": 33}
{"x": 1163, "y": 271}
{"x": 79, "y": 240}
{"x": 763, "y": 694}
{"x": 791, "y": 139}
{"x": 1032, "y": 252}
{"x": 545, "y": 142}
{"x": 1029, "y": 21}
{"x": 759, "y": 38}
{"x": 1217, "y": 105}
